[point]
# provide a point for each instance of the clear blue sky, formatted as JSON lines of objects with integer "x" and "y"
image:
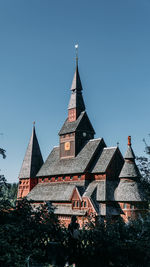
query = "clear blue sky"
{"x": 37, "y": 62}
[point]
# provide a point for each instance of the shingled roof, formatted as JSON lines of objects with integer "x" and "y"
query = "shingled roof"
{"x": 76, "y": 99}
{"x": 33, "y": 158}
{"x": 81, "y": 163}
{"x": 67, "y": 210}
{"x": 129, "y": 169}
{"x": 51, "y": 192}
{"x": 103, "y": 191}
{"x": 70, "y": 127}
{"x": 129, "y": 191}
{"x": 129, "y": 153}
{"x": 76, "y": 83}
{"x": 104, "y": 159}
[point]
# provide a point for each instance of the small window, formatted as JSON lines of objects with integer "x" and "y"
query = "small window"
{"x": 77, "y": 203}
{"x": 56, "y": 178}
{"x": 79, "y": 177}
{"x": 132, "y": 207}
{"x": 84, "y": 204}
{"x": 63, "y": 177}
{"x": 124, "y": 205}
{"x": 71, "y": 177}
{"x": 74, "y": 204}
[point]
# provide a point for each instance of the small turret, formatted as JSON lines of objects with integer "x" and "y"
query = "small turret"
{"x": 130, "y": 193}
{"x": 130, "y": 169}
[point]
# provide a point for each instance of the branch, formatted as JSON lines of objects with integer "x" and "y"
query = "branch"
{"x": 2, "y": 152}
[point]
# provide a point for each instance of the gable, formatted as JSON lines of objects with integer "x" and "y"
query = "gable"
{"x": 105, "y": 159}
{"x": 76, "y": 195}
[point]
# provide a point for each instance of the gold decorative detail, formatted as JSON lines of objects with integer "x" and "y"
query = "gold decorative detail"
{"x": 67, "y": 146}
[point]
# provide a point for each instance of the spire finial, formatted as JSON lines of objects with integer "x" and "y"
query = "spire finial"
{"x": 129, "y": 140}
{"x": 76, "y": 48}
{"x": 33, "y": 124}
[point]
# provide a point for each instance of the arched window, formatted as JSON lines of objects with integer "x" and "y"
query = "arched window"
{"x": 74, "y": 204}
{"x": 77, "y": 203}
{"x": 84, "y": 204}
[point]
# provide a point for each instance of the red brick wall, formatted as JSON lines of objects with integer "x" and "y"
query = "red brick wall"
{"x": 25, "y": 186}
{"x": 72, "y": 114}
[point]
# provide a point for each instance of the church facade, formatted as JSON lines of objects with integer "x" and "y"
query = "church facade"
{"x": 82, "y": 175}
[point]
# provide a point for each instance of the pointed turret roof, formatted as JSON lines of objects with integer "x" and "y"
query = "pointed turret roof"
{"x": 132, "y": 189}
{"x": 76, "y": 83}
{"x": 76, "y": 99}
{"x": 33, "y": 158}
{"x": 129, "y": 153}
{"x": 129, "y": 169}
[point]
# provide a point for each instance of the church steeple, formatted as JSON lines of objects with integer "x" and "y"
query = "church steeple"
{"x": 33, "y": 158}
{"x": 77, "y": 129}
{"x": 76, "y": 103}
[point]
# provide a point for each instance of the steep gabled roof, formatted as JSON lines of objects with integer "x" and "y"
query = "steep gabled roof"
{"x": 104, "y": 159}
{"x": 33, "y": 158}
{"x": 70, "y": 127}
{"x": 81, "y": 163}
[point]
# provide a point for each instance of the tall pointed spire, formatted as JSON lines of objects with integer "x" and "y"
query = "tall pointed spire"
{"x": 33, "y": 158}
{"x": 76, "y": 103}
{"x": 130, "y": 169}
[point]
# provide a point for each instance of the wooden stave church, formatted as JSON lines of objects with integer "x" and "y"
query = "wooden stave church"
{"x": 82, "y": 175}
